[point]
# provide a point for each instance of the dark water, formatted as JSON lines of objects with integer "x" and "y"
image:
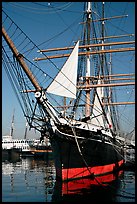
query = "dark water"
{"x": 34, "y": 180}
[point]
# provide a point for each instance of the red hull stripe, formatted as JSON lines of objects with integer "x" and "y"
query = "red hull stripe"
{"x": 75, "y": 186}
{"x": 73, "y": 173}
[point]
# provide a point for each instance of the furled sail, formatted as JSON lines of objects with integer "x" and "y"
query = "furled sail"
{"x": 64, "y": 83}
{"x": 97, "y": 114}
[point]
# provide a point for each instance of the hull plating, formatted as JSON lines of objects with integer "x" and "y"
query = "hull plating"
{"x": 90, "y": 157}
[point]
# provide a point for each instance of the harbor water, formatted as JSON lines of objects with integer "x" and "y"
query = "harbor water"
{"x": 34, "y": 180}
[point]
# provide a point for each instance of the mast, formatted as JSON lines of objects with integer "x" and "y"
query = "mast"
{"x": 110, "y": 78}
{"x": 102, "y": 48}
{"x": 20, "y": 59}
{"x": 87, "y": 106}
{"x": 102, "y": 58}
{"x": 25, "y": 135}
{"x": 38, "y": 95}
{"x": 109, "y": 94}
{"x": 12, "y": 125}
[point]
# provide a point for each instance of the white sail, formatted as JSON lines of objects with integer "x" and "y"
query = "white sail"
{"x": 110, "y": 125}
{"x": 64, "y": 83}
{"x": 133, "y": 138}
{"x": 97, "y": 114}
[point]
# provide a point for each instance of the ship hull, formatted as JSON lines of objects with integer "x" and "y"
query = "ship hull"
{"x": 85, "y": 157}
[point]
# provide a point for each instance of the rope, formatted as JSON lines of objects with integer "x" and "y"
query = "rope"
{"x": 92, "y": 173}
{"x": 83, "y": 157}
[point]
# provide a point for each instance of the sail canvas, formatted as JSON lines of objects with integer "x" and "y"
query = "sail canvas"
{"x": 97, "y": 114}
{"x": 64, "y": 83}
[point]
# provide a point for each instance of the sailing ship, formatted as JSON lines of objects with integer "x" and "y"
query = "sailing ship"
{"x": 84, "y": 132}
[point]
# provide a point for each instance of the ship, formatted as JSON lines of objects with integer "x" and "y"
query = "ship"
{"x": 84, "y": 131}
{"x": 15, "y": 147}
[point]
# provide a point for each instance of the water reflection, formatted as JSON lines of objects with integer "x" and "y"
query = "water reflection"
{"x": 104, "y": 188}
{"x": 27, "y": 180}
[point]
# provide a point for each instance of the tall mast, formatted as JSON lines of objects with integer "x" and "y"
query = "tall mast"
{"x": 102, "y": 56}
{"x": 87, "y": 107}
{"x": 12, "y": 125}
{"x": 110, "y": 73}
{"x": 25, "y": 135}
{"x": 109, "y": 94}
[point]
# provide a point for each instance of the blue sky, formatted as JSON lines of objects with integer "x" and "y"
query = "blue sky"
{"x": 49, "y": 22}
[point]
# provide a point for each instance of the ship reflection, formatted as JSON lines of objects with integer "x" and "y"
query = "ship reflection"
{"x": 41, "y": 175}
{"x": 99, "y": 189}
{"x": 31, "y": 175}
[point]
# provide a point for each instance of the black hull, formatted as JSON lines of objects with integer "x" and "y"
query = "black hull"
{"x": 89, "y": 157}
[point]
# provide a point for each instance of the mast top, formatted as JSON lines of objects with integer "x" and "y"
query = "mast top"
{"x": 88, "y": 8}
